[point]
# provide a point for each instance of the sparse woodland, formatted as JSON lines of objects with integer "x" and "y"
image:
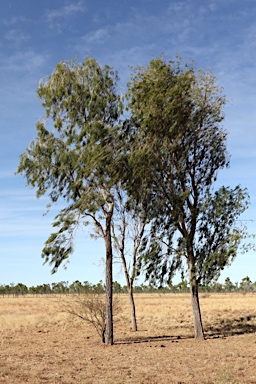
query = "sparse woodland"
{"x": 64, "y": 287}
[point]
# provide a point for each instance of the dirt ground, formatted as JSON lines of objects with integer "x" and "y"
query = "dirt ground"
{"x": 40, "y": 344}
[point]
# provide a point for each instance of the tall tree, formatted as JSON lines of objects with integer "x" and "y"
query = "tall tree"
{"x": 179, "y": 147}
{"x": 75, "y": 160}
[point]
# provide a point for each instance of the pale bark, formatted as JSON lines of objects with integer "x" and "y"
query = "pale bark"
{"x": 198, "y": 326}
{"x": 129, "y": 282}
{"x": 120, "y": 242}
{"x": 133, "y": 309}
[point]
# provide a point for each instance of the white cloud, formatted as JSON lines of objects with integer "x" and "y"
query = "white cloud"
{"x": 212, "y": 7}
{"x": 16, "y": 36}
{"x": 54, "y": 16}
{"x": 205, "y": 9}
{"x": 97, "y": 36}
{"x": 15, "y": 19}
{"x": 65, "y": 11}
{"x": 23, "y": 61}
{"x": 176, "y": 6}
{"x": 124, "y": 58}
{"x": 186, "y": 8}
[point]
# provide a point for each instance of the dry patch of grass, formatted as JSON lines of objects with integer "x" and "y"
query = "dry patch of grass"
{"x": 27, "y": 311}
{"x": 39, "y": 344}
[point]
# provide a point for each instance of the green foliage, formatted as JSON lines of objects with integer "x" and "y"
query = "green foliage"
{"x": 178, "y": 148}
{"x": 75, "y": 160}
{"x": 218, "y": 231}
{"x": 152, "y": 174}
{"x": 246, "y": 285}
{"x": 63, "y": 287}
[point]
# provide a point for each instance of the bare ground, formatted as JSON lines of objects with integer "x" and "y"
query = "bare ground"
{"x": 39, "y": 344}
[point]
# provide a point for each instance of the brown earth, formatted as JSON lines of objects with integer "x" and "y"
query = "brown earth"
{"x": 40, "y": 344}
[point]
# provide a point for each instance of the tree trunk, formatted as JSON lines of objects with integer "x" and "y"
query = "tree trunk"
{"x": 132, "y": 308}
{"x": 198, "y": 326}
{"x": 103, "y": 334}
{"x": 109, "y": 336}
{"x": 129, "y": 282}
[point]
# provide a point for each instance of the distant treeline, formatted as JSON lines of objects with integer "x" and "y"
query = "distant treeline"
{"x": 63, "y": 287}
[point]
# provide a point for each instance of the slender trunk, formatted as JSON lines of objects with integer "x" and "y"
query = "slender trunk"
{"x": 120, "y": 242}
{"x": 129, "y": 282}
{"x": 132, "y": 308}
{"x": 198, "y": 326}
{"x": 109, "y": 335}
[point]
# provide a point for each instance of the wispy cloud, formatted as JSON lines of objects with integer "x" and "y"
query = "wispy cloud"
{"x": 55, "y": 16}
{"x": 98, "y": 36}
{"x": 16, "y": 36}
{"x": 205, "y": 9}
{"x": 126, "y": 58}
{"x": 178, "y": 6}
{"x": 27, "y": 60}
{"x": 188, "y": 7}
{"x": 15, "y": 20}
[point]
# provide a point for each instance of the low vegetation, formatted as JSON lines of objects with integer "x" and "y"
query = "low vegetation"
{"x": 89, "y": 307}
{"x": 42, "y": 344}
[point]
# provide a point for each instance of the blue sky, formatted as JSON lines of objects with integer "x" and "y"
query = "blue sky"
{"x": 36, "y": 35}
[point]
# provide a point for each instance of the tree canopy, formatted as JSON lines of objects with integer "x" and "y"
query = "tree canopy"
{"x": 76, "y": 159}
{"x": 178, "y": 149}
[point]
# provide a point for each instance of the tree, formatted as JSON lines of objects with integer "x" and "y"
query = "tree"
{"x": 60, "y": 287}
{"x": 128, "y": 224}
{"x": 246, "y": 285}
{"x": 128, "y": 229}
{"x": 75, "y": 161}
{"x": 117, "y": 288}
{"x": 76, "y": 287}
{"x": 179, "y": 147}
{"x": 20, "y": 289}
{"x": 228, "y": 285}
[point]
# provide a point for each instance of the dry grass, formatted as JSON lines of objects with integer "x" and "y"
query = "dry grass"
{"x": 39, "y": 344}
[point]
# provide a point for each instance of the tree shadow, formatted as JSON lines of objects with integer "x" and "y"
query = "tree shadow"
{"x": 148, "y": 339}
{"x": 232, "y": 327}
{"x": 225, "y": 328}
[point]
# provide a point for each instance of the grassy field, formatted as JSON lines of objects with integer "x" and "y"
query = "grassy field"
{"x": 41, "y": 344}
